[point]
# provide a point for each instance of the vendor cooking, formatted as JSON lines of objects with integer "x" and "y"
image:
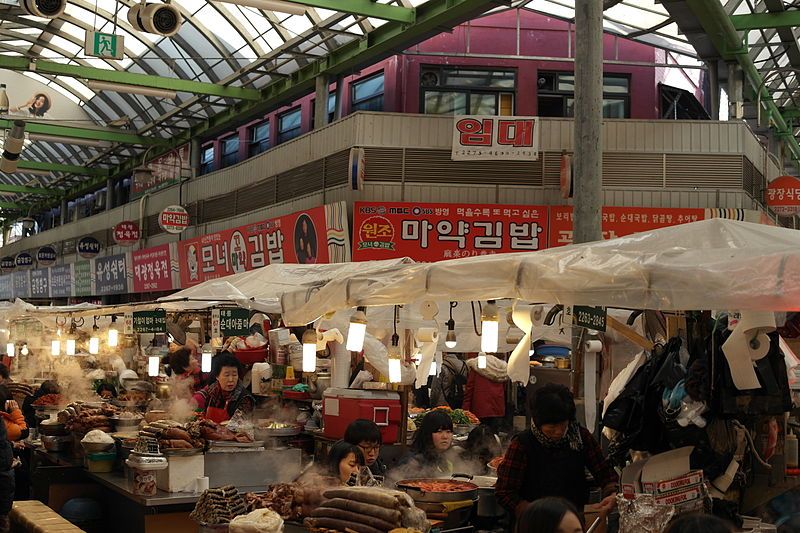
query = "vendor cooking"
{"x": 227, "y": 394}
{"x": 550, "y": 458}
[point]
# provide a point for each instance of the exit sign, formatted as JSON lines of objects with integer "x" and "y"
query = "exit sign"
{"x": 105, "y": 45}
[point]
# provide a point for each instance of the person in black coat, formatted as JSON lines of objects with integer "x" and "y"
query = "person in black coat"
{"x": 7, "y": 485}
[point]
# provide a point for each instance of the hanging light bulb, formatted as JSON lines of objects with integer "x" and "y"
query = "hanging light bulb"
{"x": 395, "y": 360}
{"x": 490, "y": 325}
{"x": 94, "y": 340}
{"x": 309, "y": 350}
{"x": 153, "y": 363}
{"x": 450, "y": 339}
{"x": 24, "y": 350}
{"x": 11, "y": 349}
{"x": 433, "y": 371}
{"x": 70, "y": 346}
{"x": 113, "y": 333}
{"x": 481, "y": 360}
{"x": 55, "y": 347}
{"x": 357, "y": 330}
{"x": 205, "y": 358}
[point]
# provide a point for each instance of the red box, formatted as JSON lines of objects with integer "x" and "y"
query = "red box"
{"x": 248, "y": 357}
{"x": 342, "y": 406}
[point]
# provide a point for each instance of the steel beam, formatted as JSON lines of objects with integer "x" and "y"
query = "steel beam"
{"x": 366, "y": 8}
{"x": 380, "y": 43}
{"x": 126, "y": 78}
{"x": 12, "y": 206}
{"x": 77, "y": 132}
{"x": 60, "y": 167}
{"x": 21, "y": 189}
{"x": 763, "y": 21}
{"x": 791, "y": 112}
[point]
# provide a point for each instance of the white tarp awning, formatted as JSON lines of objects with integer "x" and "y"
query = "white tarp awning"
{"x": 712, "y": 264}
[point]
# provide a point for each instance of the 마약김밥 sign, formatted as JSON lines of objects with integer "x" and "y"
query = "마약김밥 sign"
{"x": 481, "y": 137}
{"x": 173, "y": 219}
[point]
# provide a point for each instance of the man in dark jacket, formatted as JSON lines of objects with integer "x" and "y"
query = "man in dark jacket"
{"x": 6, "y": 479}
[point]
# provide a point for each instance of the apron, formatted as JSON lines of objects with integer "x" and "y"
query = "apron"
{"x": 218, "y": 415}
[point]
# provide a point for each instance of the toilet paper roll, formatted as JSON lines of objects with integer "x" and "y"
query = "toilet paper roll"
{"x": 593, "y": 346}
{"x": 201, "y": 484}
{"x": 331, "y": 335}
{"x": 758, "y": 346}
{"x": 738, "y": 355}
{"x": 761, "y": 321}
{"x": 428, "y": 339}
{"x": 428, "y": 335}
{"x": 519, "y": 369}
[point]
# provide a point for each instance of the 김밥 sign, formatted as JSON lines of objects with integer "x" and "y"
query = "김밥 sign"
{"x": 620, "y": 221}
{"x": 433, "y": 232}
{"x": 152, "y": 271}
{"x": 173, "y": 219}
{"x": 318, "y": 235}
{"x": 783, "y": 195}
{"x": 127, "y": 233}
{"x": 149, "y": 321}
{"x": 230, "y": 322}
{"x": 477, "y": 137}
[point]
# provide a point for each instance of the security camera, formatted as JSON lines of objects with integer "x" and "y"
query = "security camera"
{"x": 44, "y": 8}
{"x": 161, "y": 19}
{"x": 12, "y": 147}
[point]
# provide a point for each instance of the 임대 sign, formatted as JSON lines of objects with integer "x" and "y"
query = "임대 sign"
{"x": 173, "y": 219}
{"x": 230, "y": 322}
{"x": 46, "y": 256}
{"x": 88, "y": 247}
{"x": 481, "y": 137}
{"x": 150, "y": 321}
{"x": 127, "y": 233}
{"x": 783, "y": 195}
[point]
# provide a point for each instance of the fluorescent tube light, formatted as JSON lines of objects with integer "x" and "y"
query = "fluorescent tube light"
{"x": 131, "y": 89}
{"x": 68, "y": 140}
{"x": 270, "y": 5}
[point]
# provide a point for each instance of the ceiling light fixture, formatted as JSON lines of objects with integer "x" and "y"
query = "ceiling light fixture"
{"x": 68, "y": 140}
{"x": 131, "y": 89}
{"x": 270, "y": 5}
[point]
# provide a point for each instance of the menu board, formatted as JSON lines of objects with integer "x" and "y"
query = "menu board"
{"x": 22, "y": 286}
{"x": 40, "y": 283}
{"x": 433, "y": 232}
{"x": 110, "y": 275}
{"x": 61, "y": 281}
{"x": 7, "y": 287}
{"x": 82, "y": 274}
{"x": 152, "y": 270}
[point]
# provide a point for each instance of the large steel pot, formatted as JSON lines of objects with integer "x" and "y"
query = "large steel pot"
{"x": 487, "y": 500}
{"x": 462, "y": 490}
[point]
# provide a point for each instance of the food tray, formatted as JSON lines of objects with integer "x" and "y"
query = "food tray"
{"x": 279, "y": 432}
{"x": 233, "y": 444}
{"x": 181, "y": 452}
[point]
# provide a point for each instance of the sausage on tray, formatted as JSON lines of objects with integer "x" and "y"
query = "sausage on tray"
{"x": 341, "y": 514}
{"x": 373, "y": 497}
{"x": 389, "y": 515}
{"x": 340, "y": 525}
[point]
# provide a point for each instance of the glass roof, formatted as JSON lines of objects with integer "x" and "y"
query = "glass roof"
{"x": 240, "y": 46}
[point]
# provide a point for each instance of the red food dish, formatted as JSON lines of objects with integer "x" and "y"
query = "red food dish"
{"x": 440, "y": 486}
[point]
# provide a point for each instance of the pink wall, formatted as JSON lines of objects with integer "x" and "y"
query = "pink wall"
{"x": 547, "y": 43}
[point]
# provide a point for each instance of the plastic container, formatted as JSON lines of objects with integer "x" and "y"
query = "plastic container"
{"x": 181, "y": 473}
{"x": 248, "y": 357}
{"x": 142, "y": 473}
{"x": 342, "y": 406}
{"x": 791, "y": 451}
{"x": 101, "y": 462}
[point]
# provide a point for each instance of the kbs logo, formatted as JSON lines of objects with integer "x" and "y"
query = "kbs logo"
{"x": 376, "y": 233}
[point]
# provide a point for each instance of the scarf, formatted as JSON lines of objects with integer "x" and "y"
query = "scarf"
{"x": 215, "y": 397}
{"x": 572, "y": 438}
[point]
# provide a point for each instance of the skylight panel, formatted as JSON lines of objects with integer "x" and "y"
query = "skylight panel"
{"x": 77, "y": 86}
{"x": 214, "y": 21}
{"x": 69, "y": 46}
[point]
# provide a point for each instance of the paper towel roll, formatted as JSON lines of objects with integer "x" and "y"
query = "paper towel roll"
{"x": 428, "y": 335}
{"x": 428, "y": 339}
{"x": 519, "y": 369}
{"x": 593, "y": 346}
{"x": 324, "y": 337}
{"x": 738, "y": 354}
{"x": 758, "y": 346}
{"x": 761, "y": 321}
{"x": 201, "y": 484}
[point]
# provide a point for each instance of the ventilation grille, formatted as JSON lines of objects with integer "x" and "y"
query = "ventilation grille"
{"x": 300, "y": 181}
{"x": 255, "y": 196}
{"x": 435, "y": 166}
{"x": 219, "y": 207}
{"x": 552, "y": 168}
{"x": 336, "y": 168}
{"x": 706, "y": 171}
{"x": 622, "y": 169}
{"x": 384, "y": 164}
{"x": 749, "y": 178}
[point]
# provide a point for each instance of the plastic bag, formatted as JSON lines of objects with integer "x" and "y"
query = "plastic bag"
{"x": 259, "y": 521}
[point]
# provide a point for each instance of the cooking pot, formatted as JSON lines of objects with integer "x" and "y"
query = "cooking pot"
{"x": 487, "y": 500}
{"x": 457, "y": 491}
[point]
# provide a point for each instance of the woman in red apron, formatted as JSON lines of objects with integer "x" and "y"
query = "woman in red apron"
{"x": 226, "y": 395}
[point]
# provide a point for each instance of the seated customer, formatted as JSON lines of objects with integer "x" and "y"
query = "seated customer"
{"x": 185, "y": 368}
{"x": 16, "y": 428}
{"x": 367, "y": 436}
{"x": 345, "y": 461}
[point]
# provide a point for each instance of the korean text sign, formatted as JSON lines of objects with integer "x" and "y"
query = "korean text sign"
{"x": 150, "y": 321}
{"x": 621, "y": 221}
{"x": 7, "y": 287}
{"x": 82, "y": 278}
{"x": 481, "y": 137}
{"x": 296, "y": 238}
{"x": 434, "y": 232}
{"x": 230, "y": 321}
{"x": 110, "y": 275}
{"x": 61, "y": 281}
{"x": 40, "y": 283}
{"x": 783, "y": 195}
{"x": 152, "y": 271}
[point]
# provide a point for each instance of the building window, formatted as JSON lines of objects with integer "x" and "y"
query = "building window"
{"x": 259, "y": 138}
{"x": 207, "y": 160}
{"x": 331, "y": 109}
{"x": 289, "y": 125}
{"x": 367, "y": 94}
{"x": 467, "y": 91}
{"x": 556, "y": 96}
{"x": 230, "y": 151}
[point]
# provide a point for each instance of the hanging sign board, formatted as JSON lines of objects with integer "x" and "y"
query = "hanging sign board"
{"x": 46, "y": 256}
{"x": 481, "y": 137}
{"x": 24, "y": 260}
{"x": 173, "y": 219}
{"x": 110, "y": 275}
{"x": 230, "y": 322}
{"x": 22, "y": 284}
{"x": 783, "y": 195}
{"x": 61, "y": 281}
{"x": 7, "y": 264}
{"x": 105, "y": 45}
{"x": 88, "y": 247}
{"x": 127, "y": 233}
{"x": 590, "y": 317}
{"x": 152, "y": 270}
{"x": 149, "y": 321}
{"x": 82, "y": 278}
{"x": 40, "y": 283}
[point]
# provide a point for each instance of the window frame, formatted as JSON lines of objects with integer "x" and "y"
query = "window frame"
{"x": 226, "y": 158}
{"x": 566, "y": 95}
{"x": 468, "y": 90}
{"x": 207, "y": 166}
{"x": 255, "y": 147}
{"x": 298, "y": 129}
{"x": 355, "y": 103}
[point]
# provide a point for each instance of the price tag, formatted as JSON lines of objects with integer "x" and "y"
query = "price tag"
{"x": 590, "y": 317}
{"x": 128, "y": 324}
{"x": 149, "y": 321}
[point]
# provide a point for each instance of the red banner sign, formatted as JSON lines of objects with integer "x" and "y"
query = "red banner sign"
{"x": 783, "y": 195}
{"x": 126, "y": 233}
{"x": 433, "y": 232}
{"x": 301, "y": 237}
{"x": 152, "y": 271}
{"x": 621, "y": 221}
